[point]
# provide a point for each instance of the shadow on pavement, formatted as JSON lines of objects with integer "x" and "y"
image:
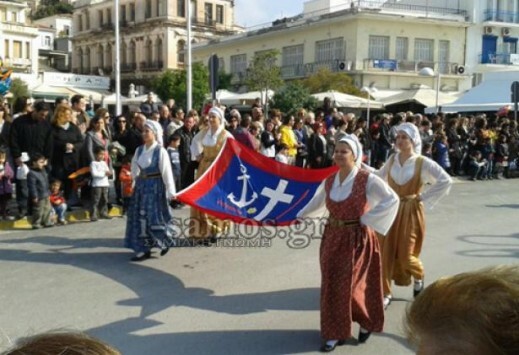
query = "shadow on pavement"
{"x": 290, "y": 341}
{"x": 491, "y": 245}
{"x": 157, "y": 290}
{"x": 503, "y": 206}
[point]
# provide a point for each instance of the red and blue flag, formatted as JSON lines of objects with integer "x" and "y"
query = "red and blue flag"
{"x": 247, "y": 187}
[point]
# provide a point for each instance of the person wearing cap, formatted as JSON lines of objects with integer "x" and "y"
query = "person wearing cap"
{"x": 149, "y": 219}
{"x": 358, "y": 203}
{"x": 205, "y": 147}
{"x": 407, "y": 172}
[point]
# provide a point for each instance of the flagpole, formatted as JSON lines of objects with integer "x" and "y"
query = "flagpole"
{"x": 118, "y": 109}
{"x": 188, "y": 67}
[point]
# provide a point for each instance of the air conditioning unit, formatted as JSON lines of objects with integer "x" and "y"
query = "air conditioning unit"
{"x": 460, "y": 69}
{"x": 505, "y": 31}
{"x": 488, "y": 30}
{"x": 344, "y": 66}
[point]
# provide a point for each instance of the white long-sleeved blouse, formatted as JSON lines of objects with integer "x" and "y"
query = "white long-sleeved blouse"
{"x": 144, "y": 160}
{"x": 207, "y": 139}
{"x": 382, "y": 201}
{"x": 432, "y": 174}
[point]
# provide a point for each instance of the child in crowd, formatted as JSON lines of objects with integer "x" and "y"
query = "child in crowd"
{"x": 174, "y": 157}
{"x": 487, "y": 153}
{"x": 125, "y": 177}
{"x": 38, "y": 186}
{"x": 6, "y": 186}
{"x": 57, "y": 202}
{"x": 282, "y": 155}
{"x": 100, "y": 172}
{"x": 501, "y": 157}
{"x": 476, "y": 165}
{"x": 22, "y": 192}
{"x": 427, "y": 150}
{"x": 441, "y": 152}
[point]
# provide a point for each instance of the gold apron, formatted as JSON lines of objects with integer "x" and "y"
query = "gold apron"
{"x": 201, "y": 225}
{"x": 402, "y": 246}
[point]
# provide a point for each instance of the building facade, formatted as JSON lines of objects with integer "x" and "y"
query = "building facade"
{"x": 492, "y": 39}
{"x": 381, "y": 43}
{"x": 152, "y": 35}
{"x": 18, "y": 39}
{"x": 55, "y": 42}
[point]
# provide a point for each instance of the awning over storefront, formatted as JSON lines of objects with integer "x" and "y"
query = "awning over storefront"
{"x": 51, "y": 93}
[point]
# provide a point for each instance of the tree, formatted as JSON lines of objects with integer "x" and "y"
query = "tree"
{"x": 224, "y": 80}
{"x": 173, "y": 84}
{"x": 325, "y": 80}
{"x": 263, "y": 73}
{"x": 52, "y": 7}
{"x": 18, "y": 89}
{"x": 292, "y": 97}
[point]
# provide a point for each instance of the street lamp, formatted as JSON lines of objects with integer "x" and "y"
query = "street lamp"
{"x": 430, "y": 72}
{"x": 371, "y": 89}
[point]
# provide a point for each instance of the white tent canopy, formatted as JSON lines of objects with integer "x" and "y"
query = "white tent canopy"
{"x": 111, "y": 99}
{"x": 95, "y": 95}
{"x": 225, "y": 97}
{"x": 246, "y": 98}
{"x": 340, "y": 99}
{"x": 490, "y": 95}
{"x": 140, "y": 99}
{"x": 423, "y": 95}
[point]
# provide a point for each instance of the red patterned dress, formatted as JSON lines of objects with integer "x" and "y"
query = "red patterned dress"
{"x": 351, "y": 286}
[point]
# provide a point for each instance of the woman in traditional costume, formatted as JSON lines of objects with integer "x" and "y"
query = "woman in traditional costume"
{"x": 205, "y": 147}
{"x": 407, "y": 172}
{"x": 359, "y": 203}
{"x": 149, "y": 218}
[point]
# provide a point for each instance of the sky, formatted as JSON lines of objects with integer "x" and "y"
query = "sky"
{"x": 250, "y": 13}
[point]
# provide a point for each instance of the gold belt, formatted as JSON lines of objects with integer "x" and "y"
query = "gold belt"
{"x": 343, "y": 222}
{"x": 408, "y": 197}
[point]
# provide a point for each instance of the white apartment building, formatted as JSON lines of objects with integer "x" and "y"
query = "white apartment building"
{"x": 18, "y": 40}
{"x": 380, "y": 43}
{"x": 492, "y": 37}
{"x": 55, "y": 41}
{"x": 152, "y": 35}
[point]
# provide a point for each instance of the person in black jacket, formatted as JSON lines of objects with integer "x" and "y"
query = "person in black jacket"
{"x": 187, "y": 166}
{"x": 67, "y": 144}
{"x": 132, "y": 138}
{"x": 384, "y": 141}
{"x": 32, "y": 133}
{"x": 5, "y": 126}
{"x": 317, "y": 147}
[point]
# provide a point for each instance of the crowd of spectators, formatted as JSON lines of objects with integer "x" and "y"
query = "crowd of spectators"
{"x": 479, "y": 147}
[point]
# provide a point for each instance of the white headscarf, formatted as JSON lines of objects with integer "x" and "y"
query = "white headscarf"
{"x": 414, "y": 134}
{"x": 156, "y": 128}
{"x": 218, "y": 112}
{"x": 356, "y": 147}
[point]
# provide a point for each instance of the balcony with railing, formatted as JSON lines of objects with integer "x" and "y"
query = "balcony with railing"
{"x": 107, "y": 26}
{"x": 500, "y": 16}
{"x": 420, "y": 10}
{"x": 394, "y": 65}
{"x": 499, "y": 58}
{"x": 304, "y": 70}
{"x": 152, "y": 66}
{"x": 128, "y": 67}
